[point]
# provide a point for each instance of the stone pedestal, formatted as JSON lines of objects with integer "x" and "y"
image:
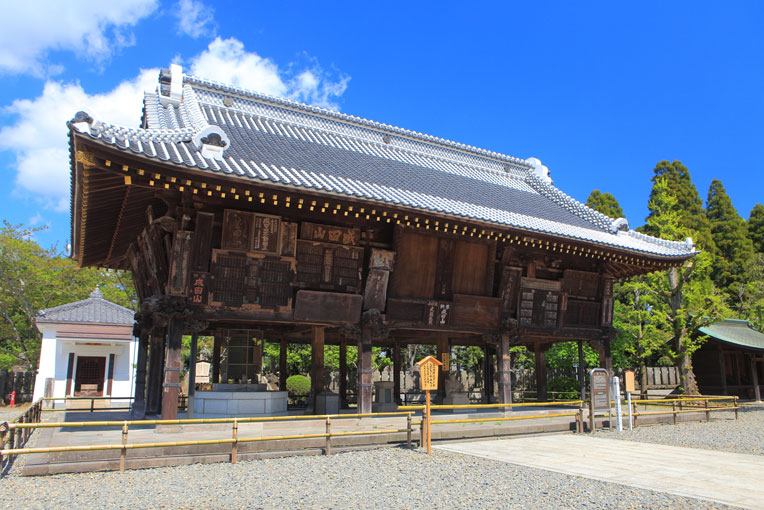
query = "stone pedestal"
{"x": 327, "y": 403}
{"x": 239, "y": 403}
{"x": 384, "y": 401}
{"x": 457, "y": 398}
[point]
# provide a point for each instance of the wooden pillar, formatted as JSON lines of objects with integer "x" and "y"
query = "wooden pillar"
{"x": 317, "y": 362}
{"x": 365, "y": 370}
{"x": 139, "y": 397}
{"x": 154, "y": 383}
{"x": 606, "y": 360}
{"x": 69, "y": 375}
{"x": 755, "y": 378}
{"x": 397, "y": 373}
{"x": 541, "y": 393}
{"x": 504, "y": 370}
{"x": 171, "y": 386}
{"x": 581, "y": 370}
{"x": 343, "y": 373}
{"x": 216, "y": 359}
{"x": 283, "y": 375}
{"x": 443, "y": 348}
{"x": 487, "y": 374}
{"x": 192, "y": 373}
{"x": 722, "y": 372}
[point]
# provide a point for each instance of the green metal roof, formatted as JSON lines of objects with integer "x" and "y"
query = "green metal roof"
{"x": 735, "y": 332}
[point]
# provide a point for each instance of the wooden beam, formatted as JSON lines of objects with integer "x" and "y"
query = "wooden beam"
{"x": 69, "y": 374}
{"x": 365, "y": 371}
{"x": 317, "y": 362}
{"x": 171, "y": 386}
{"x": 505, "y": 369}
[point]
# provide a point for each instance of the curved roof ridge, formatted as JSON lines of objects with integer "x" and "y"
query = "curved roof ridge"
{"x": 662, "y": 242}
{"x": 290, "y": 103}
{"x": 569, "y": 203}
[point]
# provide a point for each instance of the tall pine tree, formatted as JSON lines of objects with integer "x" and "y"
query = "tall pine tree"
{"x": 604, "y": 203}
{"x": 756, "y": 227}
{"x": 734, "y": 250}
{"x": 689, "y": 205}
{"x": 685, "y": 297}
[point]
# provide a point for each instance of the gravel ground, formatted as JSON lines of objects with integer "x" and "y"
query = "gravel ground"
{"x": 394, "y": 478}
{"x": 723, "y": 432}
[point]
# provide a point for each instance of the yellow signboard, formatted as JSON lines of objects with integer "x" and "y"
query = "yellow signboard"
{"x": 628, "y": 381}
{"x": 428, "y": 373}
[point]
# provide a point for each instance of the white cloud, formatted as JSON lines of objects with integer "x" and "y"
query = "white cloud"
{"x": 94, "y": 30}
{"x": 195, "y": 19}
{"x": 37, "y": 133}
{"x": 39, "y": 136}
{"x": 226, "y": 61}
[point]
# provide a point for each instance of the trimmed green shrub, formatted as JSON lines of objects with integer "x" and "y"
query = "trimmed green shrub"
{"x": 564, "y": 388}
{"x": 298, "y": 385}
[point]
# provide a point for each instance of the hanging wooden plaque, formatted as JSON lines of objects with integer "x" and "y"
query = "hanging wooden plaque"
{"x": 330, "y": 234}
{"x": 267, "y": 233}
{"x": 237, "y": 230}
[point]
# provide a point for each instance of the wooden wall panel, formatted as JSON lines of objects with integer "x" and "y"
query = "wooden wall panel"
{"x": 415, "y": 266}
{"x": 470, "y": 268}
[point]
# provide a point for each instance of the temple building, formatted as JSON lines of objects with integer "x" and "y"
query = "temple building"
{"x": 251, "y": 217}
{"x": 88, "y": 350}
{"x": 731, "y": 361}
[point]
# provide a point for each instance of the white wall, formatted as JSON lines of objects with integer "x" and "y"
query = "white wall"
{"x": 54, "y": 360}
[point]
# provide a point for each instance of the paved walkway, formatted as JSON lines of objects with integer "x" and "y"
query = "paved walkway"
{"x": 729, "y": 478}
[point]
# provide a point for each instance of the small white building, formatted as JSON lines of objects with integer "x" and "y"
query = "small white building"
{"x": 88, "y": 349}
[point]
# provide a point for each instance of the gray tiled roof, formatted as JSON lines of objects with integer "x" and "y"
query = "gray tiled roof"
{"x": 95, "y": 309}
{"x": 288, "y": 144}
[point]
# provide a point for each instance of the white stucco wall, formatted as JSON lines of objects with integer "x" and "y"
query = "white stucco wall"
{"x": 54, "y": 360}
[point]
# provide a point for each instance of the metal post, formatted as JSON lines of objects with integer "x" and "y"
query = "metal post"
{"x": 92, "y": 404}
{"x": 617, "y": 398}
{"x": 636, "y": 414}
{"x": 422, "y": 426}
{"x": 673, "y": 409}
{"x": 708, "y": 413}
{"x": 592, "y": 422}
{"x": 408, "y": 430}
{"x": 328, "y": 450}
{"x": 123, "y": 452}
{"x": 235, "y": 444}
{"x": 736, "y": 400}
{"x": 631, "y": 416}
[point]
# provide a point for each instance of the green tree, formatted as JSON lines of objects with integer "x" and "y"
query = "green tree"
{"x": 604, "y": 203}
{"x": 641, "y": 332}
{"x": 756, "y": 227}
{"x": 734, "y": 250}
{"x": 686, "y": 297}
{"x": 32, "y": 279}
{"x": 687, "y": 203}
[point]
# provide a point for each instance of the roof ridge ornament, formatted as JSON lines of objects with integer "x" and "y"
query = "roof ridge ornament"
{"x": 620, "y": 224}
{"x": 539, "y": 170}
{"x": 212, "y": 141}
{"x": 96, "y": 294}
{"x": 171, "y": 85}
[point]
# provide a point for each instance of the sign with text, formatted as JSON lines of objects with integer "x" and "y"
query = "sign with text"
{"x": 600, "y": 389}
{"x": 428, "y": 373}
{"x": 628, "y": 381}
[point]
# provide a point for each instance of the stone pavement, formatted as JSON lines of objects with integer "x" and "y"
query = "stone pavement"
{"x": 729, "y": 478}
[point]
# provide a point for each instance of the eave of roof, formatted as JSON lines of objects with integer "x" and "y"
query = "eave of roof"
{"x": 735, "y": 332}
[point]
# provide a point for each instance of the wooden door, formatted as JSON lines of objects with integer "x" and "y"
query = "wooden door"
{"x": 90, "y": 376}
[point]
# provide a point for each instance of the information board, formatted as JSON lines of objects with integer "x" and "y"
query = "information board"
{"x": 600, "y": 389}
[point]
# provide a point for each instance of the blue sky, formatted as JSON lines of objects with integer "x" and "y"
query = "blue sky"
{"x": 599, "y": 92}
